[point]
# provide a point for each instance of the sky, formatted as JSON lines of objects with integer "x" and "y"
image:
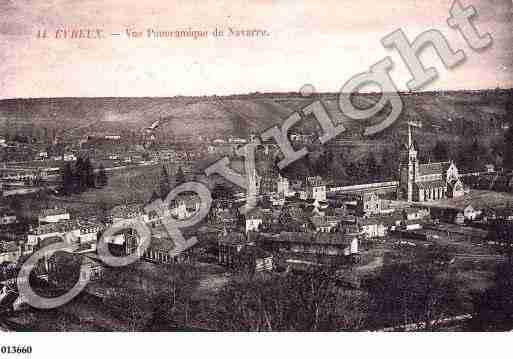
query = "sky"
{"x": 322, "y": 43}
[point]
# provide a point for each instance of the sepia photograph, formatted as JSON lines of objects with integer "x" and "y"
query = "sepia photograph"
{"x": 254, "y": 166}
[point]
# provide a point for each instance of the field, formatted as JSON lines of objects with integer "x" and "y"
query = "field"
{"x": 478, "y": 199}
{"x": 443, "y": 116}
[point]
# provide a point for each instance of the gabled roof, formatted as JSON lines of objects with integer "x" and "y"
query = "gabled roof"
{"x": 255, "y": 252}
{"x": 59, "y": 227}
{"x": 319, "y": 221}
{"x": 6, "y": 247}
{"x": 234, "y": 238}
{"x": 127, "y": 211}
{"x": 431, "y": 184}
{"x": 314, "y": 181}
{"x": 453, "y": 183}
{"x": 426, "y": 169}
{"x": 338, "y": 238}
{"x": 255, "y": 214}
{"x": 52, "y": 212}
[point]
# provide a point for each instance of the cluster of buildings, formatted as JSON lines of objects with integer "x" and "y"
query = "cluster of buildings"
{"x": 295, "y": 224}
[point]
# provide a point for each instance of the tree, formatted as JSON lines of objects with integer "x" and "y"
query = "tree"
{"x": 89, "y": 174}
{"x": 68, "y": 179}
{"x": 172, "y": 301}
{"x": 102, "y": 179}
{"x": 477, "y": 155}
{"x": 373, "y": 169}
{"x": 309, "y": 301}
{"x": 161, "y": 295}
{"x": 501, "y": 235}
{"x": 164, "y": 183}
{"x": 78, "y": 177}
{"x": 180, "y": 176}
{"x": 352, "y": 172}
{"x": 440, "y": 151}
{"x": 132, "y": 306}
{"x": 389, "y": 164}
{"x": 103, "y": 211}
{"x": 222, "y": 192}
{"x": 275, "y": 168}
{"x": 154, "y": 197}
{"x": 508, "y": 148}
{"x": 472, "y": 156}
{"x": 493, "y": 308}
{"x": 422, "y": 292}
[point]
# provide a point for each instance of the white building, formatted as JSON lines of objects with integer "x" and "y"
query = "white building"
{"x": 81, "y": 237}
{"x": 53, "y": 215}
{"x": 253, "y": 221}
{"x": 315, "y": 188}
{"x": 7, "y": 217}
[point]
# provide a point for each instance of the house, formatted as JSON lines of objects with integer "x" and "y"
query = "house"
{"x": 336, "y": 244}
{"x": 9, "y": 252}
{"x": 161, "y": 249}
{"x": 411, "y": 224}
{"x": 81, "y": 236}
{"x": 236, "y": 252}
{"x": 448, "y": 214}
{"x": 70, "y": 230}
{"x": 324, "y": 223}
{"x": 254, "y": 220}
{"x": 368, "y": 203}
{"x": 489, "y": 168}
{"x": 315, "y": 188}
{"x": 254, "y": 259}
{"x": 471, "y": 214}
{"x": 415, "y": 213}
{"x": 53, "y": 215}
{"x": 43, "y": 155}
{"x": 128, "y": 212}
{"x": 184, "y": 207}
{"x": 273, "y": 183}
{"x": 504, "y": 214}
{"x": 7, "y": 217}
{"x": 293, "y": 218}
{"x": 112, "y": 137}
{"x": 373, "y": 227}
{"x": 229, "y": 246}
{"x": 89, "y": 234}
{"x": 69, "y": 157}
{"x": 236, "y": 140}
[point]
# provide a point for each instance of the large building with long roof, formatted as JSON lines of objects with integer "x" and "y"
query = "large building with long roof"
{"x": 421, "y": 182}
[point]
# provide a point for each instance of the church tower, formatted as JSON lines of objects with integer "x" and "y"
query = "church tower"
{"x": 408, "y": 169}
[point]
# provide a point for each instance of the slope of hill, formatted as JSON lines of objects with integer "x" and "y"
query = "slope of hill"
{"x": 446, "y": 113}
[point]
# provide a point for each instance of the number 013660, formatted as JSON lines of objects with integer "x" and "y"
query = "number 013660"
{"x": 15, "y": 349}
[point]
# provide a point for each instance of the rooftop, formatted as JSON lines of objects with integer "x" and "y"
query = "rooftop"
{"x": 426, "y": 169}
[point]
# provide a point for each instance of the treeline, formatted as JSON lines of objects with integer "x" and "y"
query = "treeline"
{"x": 340, "y": 168}
{"x": 347, "y": 167}
{"x": 422, "y": 291}
{"x": 165, "y": 185}
{"x": 80, "y": 176}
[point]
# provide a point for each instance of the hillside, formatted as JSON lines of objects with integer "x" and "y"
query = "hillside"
{"x": 453, "y": 113}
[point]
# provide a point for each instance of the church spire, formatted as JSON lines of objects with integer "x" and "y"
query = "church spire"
{"x": 411, "y": 142}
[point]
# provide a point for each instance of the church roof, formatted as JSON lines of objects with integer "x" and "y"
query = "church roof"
{"x": 426, "y": 169}
{"x": 431, "y": 184}
{"x": 452, "y": 184}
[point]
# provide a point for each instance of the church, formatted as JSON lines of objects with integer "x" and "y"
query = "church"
{"x": 422, "y": 182}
